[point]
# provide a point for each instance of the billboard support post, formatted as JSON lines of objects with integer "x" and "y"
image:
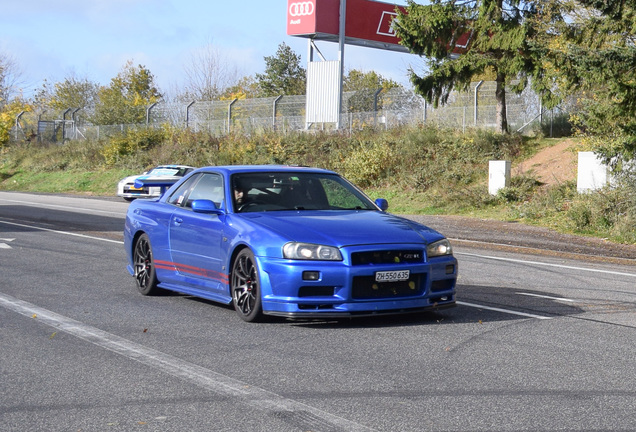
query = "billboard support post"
{"x": 341, "y": 48}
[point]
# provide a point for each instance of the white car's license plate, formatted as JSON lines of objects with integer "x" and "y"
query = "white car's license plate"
{"x": 392, "y": 276}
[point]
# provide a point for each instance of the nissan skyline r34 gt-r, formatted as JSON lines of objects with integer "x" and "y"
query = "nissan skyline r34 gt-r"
{"x": 285, "y": 241}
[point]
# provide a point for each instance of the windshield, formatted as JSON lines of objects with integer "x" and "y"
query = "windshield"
{"x": 295, "y": 191}
{"x": 169, "y": 171}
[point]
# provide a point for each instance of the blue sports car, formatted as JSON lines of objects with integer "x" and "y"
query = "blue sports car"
{"x": 286, "y": 241}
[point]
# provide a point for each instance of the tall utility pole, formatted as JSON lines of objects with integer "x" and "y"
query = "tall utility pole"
{"x": 341, "y": 47}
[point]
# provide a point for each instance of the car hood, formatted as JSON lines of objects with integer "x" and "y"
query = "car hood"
{"x": 343, "y": 228}
{"x": 129, "y": 179}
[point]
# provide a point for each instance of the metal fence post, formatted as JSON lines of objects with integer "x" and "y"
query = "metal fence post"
{"x": 375, "y": 106}
{"x": 476, "y": 95}
{"x": 425, "y": 108}
{"x": 188, "y": 113}
{"x": 148, "y": 112}
{"x": 17, "y": 124}
{"x": 274, "y": 107}
{"x": 229, "y": 116}
{"x": 74, "y": 122}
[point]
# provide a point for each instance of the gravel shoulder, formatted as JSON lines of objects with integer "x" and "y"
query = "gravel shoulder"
{"x": 511, "y": 236}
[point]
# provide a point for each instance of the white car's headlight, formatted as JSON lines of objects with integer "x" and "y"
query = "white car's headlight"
{"x": 307, "y": 251}
{"x": 439, "y": 248}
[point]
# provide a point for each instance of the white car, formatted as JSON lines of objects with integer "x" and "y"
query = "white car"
{"x": 127, "y": 190}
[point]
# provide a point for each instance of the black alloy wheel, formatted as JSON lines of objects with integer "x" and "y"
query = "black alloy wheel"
{"x": 246, "y": 289}
{"x": 144, "y": 266}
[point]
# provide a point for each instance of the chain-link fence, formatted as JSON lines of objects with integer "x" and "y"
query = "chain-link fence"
{"x": 475, "y": 108}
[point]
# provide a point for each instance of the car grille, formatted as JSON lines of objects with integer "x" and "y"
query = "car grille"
{"x": 365, "y": 287}
{"x": 387, "y": 257}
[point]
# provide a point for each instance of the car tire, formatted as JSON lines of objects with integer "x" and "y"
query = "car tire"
{"x": 246, "y": 287}
{"x": 144, "y": 266}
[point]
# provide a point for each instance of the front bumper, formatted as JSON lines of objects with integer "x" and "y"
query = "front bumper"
{"x": 339, "y": 289}
{"x": 129, "y": 191}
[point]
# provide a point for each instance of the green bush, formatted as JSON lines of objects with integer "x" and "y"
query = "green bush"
{"x": 367, "y": 164}
{"x": 131, "y": 143}
{"x": 521, "y": 189}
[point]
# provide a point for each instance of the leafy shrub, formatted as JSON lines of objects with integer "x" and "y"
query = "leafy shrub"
{"x": 132, "y": 142}
{"x": 521, "y": 188}
{"x": 367, "y": 163}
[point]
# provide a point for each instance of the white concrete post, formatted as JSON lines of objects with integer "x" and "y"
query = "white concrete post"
{"x": 498, "y": 176}
{"x": 592, "y": 173}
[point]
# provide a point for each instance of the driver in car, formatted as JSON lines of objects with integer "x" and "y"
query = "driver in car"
{"x": 240, "y": 195}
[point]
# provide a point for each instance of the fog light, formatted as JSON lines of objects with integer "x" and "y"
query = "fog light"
{"x": 450, "y": 269}
{"x": 311, "y": 275}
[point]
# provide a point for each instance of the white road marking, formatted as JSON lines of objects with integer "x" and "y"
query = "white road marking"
{"x": 64, "y": 207}
{"x": 547, "y": 297}
{"x": 459, "y": 302}
{"x": 5, "y": 245}
{"x": 527, "y": 315}
{"x": 256, "y": 397}
{"x": 548, "y": 264}
{"x": 61, "y": 232}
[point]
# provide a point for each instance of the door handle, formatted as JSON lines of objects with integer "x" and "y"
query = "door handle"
{"x": 178, "y": 221}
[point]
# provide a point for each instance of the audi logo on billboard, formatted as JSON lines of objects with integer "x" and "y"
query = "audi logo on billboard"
{"x": 301, "y": 9}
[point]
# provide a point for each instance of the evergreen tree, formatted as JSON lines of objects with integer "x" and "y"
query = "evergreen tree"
{"x": 465, "y": 39}
{"x": 283, "y": 74}
{"x": 598, "y": 60}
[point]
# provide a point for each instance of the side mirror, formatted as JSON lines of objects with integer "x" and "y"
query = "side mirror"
{"x": 382, "y": 203}
{"x": 205, "y": 206}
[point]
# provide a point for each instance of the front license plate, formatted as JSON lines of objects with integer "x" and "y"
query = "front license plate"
{"x": 392, "y": 276}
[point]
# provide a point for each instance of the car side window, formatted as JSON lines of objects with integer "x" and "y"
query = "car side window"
{"x": 209, "y": 187}
{"x": 180, "y": 195}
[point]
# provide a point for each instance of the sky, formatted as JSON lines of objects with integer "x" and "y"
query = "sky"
{"x": 93, "y": 39}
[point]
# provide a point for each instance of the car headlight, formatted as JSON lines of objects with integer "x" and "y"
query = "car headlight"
{"x": 307, "y": 251}
{"x": 439, "y": 248}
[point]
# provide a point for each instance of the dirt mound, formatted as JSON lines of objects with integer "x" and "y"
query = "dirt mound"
{"x": 552, "y": 165}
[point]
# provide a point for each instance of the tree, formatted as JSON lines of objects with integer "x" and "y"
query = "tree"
{"x": 11, "y": 101}
{"x": 283, "y": 74}
{"x": 246, "y": 87}
{"x": 73, "y": 92}
{"x": 209, "y": 74}
{"x": 10, "y": 79}
{"x": 597, "y": 59}
{"x": 365, "y": 85}
{"x": 500, "y": 41}
{"x": 126, "y": 99}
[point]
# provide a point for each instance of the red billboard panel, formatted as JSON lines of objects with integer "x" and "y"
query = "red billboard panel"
{"x": 368, "y": 22}
{"x": 371, "y": 21}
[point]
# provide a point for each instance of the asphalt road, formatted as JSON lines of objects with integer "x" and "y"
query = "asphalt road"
{"x": 538, "y": 342}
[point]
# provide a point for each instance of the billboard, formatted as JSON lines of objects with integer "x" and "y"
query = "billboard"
{"x": 368, "y": 22}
